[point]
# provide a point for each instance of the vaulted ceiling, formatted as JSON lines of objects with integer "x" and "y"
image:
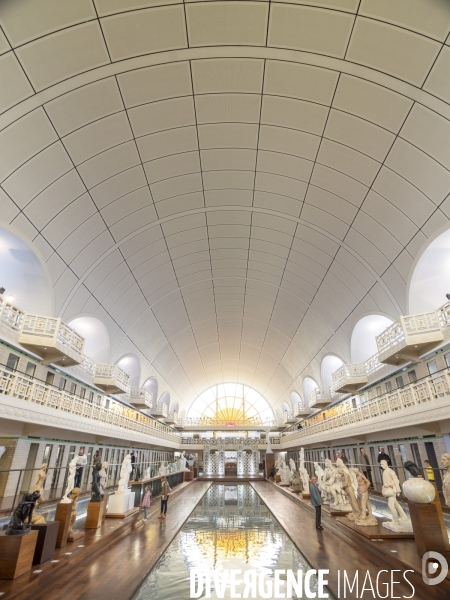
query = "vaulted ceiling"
{"x": 229, "y": 185}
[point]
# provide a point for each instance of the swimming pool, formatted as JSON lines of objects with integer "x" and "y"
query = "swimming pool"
{"x": 231, "y": 528}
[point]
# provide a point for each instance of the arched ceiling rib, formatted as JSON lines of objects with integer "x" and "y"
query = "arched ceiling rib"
{"x": 230, "y": 186}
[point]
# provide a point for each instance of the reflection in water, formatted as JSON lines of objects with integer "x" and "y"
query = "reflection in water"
{"x": 229, "y": 529}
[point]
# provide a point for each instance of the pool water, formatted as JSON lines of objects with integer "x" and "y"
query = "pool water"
{"x": 231, "y": 528}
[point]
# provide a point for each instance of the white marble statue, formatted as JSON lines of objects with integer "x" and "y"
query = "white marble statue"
{"x": 303, "y": 472}
{"x": 341, "y": 465}
{"x": 332, "y": 488}
{"x": 292, "y": 466}
{"x": 446, "y": 479}
{"x": 70, "y": 481}
{"x": 125, "y": 472}
{"x": 390, "y": 490}
{"x": 285, "y": 474}
{"x": 319, "y": 473}
{"x": 147, "y": 473}
{"x": 162, "y": 469}
{"x": 103, "y": 475}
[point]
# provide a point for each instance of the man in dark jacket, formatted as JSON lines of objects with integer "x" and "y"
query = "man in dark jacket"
{"x": 366, "y": 468}
{"x": 316, "y": 501}
{"x": 383, "y": 456}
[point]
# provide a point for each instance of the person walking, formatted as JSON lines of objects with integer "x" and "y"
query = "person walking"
{"x": 316, "y": 501}
{"x": 81, "y": 463}
{"x": 366, "y": 468}
{"x": 146, "y": 501}
{"x": 429, "y": 471}
{"x": 165, "y": 491}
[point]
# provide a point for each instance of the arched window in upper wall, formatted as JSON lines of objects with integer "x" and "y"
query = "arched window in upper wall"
{"x": 175, "y": 407}
{"x": 363, "y": 343}
{"x": 151, "y": 385}
{"x": 286, "y": 407}
{"x": 309, "y": 384}
{"x": 131, "y": 365}
{"x": 96, "y": 337}
{"x": 430, "y": 281}
{"x": 165, "y": 399}
{"x": 330, "y": 364}
{"x": 23, "y": 276}
{"x": 295, "y": 399}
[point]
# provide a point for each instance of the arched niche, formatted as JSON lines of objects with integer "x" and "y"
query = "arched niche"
{"x": 131, "y": 365}
{"x": 309, "y": 384}
{"x": 97, "y": 344}
{"x": 286, "y": 407}
{"x": 165, "y": 399}
{"x": 363, "y": 343}
{"x": 430, "y": 281}
{"x": 296, "y": 398}
{"x": 23, "y": 276}
{"x": 175, "y": 407}
{"x": 151, "y": 385}
{"x": 330, "y": 364}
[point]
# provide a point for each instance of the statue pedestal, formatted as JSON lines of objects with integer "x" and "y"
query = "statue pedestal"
{"x": 188, "y": 475}
{"x": 105, "y": 498}
{"x": 121, "y": 504}
{"x": 75, "y": 535}
{"x": 63, "y": 514}
{"x": 376, "y": 532}
{"x": 306, "y": 495}
{"x": 94, "y": 517}
{"x": 16, "y": 554}
{"x": 430, "y": 532}
{"x": 46, "y": 541}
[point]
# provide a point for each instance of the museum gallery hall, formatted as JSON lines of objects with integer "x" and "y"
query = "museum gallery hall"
{"x": 224, "y": 299}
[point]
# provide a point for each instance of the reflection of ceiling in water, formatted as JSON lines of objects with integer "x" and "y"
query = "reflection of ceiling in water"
{"x": 239, "y": 544}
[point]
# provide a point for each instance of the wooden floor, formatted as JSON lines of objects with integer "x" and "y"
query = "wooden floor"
{"x": 337, "y": 548}
{"x": 112, "y": 570}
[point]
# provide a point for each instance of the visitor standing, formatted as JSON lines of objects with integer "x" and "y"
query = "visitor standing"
{"x": 81, "y": 463}
{"x": 344, "y": 457}
{"x": 316, "y": 501}
{"x": 429, "y": 471}
{"x": 165, "y": 491}
{"x": 366, "y": 468}
{"x": 383, "y": 456}
{"x": 146, "y": 501}
{"x": 133, "y": 460}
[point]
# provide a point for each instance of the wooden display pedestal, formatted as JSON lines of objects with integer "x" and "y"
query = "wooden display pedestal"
{"x": 95, "y": 512}
{"x": 376, "y": 532}
{"x": 306, "y": 495}
{"x": 277, "y": 478}
{"x": 63, "y": 514}
{"x": 46, "y": 541}
{"x": 188, "y": 475}
{"x": 268, "y": 464}
{"x": 430, "y": 532}
{"x": 16, "y": 554}
{"x": 105, "y": 497}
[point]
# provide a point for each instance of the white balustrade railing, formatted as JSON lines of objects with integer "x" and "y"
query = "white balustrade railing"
{"x": 288, "y": 417}
{"x": 300, "y": 408}
{"x": 11, "y": 316}
{"x": 414, "y": 394}
{"x": 443, "y": 313}
{"x": 274, "y": 441}
{"x": 346, "y": 372}
{"x": 112, "y": 373}
{"x": 54, "y": 331}
{"x": 320, "y": 395}
{"x": 102, "y": 409}
{"x": 159, "y": 409}
{"x": 209, "y": 422}
{"x": 140, "y": 396}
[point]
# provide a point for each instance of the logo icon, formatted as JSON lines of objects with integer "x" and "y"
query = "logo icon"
{"x": 431, "y": 561}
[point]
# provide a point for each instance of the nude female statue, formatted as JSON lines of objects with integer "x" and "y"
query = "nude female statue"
{"x": 390, "y": 490}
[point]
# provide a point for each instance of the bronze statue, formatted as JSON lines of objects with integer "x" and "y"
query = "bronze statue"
{"x": 22, "y": 513}
{"x": 96, "y": 497}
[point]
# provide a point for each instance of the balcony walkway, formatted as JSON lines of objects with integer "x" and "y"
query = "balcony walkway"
{"x": 113, "y": 560}
{"x": 338, "y": 548}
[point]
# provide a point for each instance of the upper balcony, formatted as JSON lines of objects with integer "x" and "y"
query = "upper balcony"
{"x": 11, "y": 319}
{"x": 208, "y": 424}
{"x": 172, "y": 418}
{"x": 159, "y": 410}
{"x": 111, "y": 379}
{"x": 140, "y": 398}
{"x": 350, "y": 378}
{"x": 301, "y": 410}
{"x": 289, "y": 418}
{"x": 52, "y": 340}
{"x": 408, "y": 338}
{"x": 320, "y": 398}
